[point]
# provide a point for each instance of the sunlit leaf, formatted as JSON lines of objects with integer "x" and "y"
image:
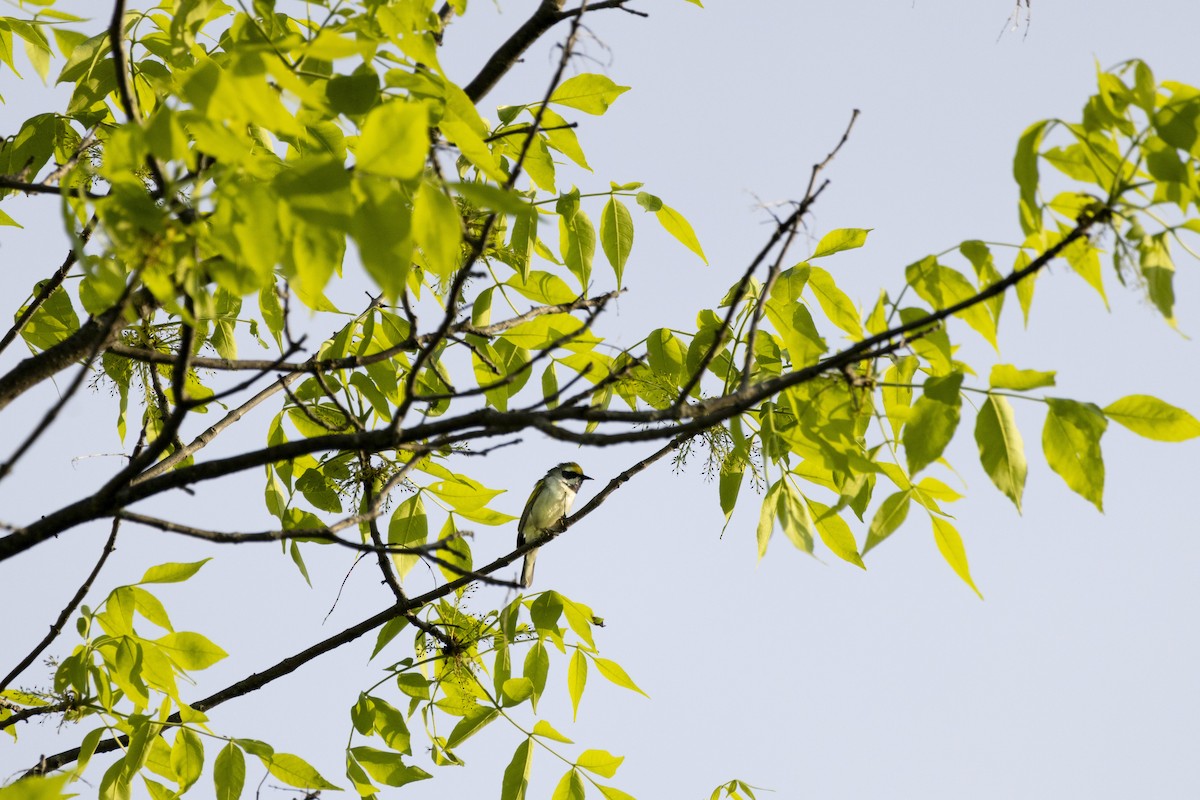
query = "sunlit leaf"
{"x": 1153, "y": 418}
{"x": 1001, "y": 449}
{"x": 1071, "y": 442}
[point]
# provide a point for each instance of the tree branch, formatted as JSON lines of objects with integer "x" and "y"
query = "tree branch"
{"x": 72, "y": 604}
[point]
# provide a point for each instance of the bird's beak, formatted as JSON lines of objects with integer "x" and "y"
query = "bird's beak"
{"x": 584, "y": 477}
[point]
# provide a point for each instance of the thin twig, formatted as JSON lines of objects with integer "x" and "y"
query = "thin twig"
{"x": 72, "y": 604}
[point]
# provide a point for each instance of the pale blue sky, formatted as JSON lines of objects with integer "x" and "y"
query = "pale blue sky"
{"x": 1076, "y": 677}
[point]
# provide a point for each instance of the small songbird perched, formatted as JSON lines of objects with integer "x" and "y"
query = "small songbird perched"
{"x": 547, "y": 505}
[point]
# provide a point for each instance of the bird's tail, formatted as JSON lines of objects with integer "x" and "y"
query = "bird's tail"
{"x": 527, "y": 568}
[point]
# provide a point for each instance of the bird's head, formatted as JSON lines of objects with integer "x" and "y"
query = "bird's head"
{"x": 569, "y": 474}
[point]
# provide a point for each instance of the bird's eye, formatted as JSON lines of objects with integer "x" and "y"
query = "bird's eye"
{"x": 569, "y": 474}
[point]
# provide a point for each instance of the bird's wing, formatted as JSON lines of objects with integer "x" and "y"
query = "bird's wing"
{"x": 525, "y": 513}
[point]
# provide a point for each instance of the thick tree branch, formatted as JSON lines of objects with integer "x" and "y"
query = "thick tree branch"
{"x": 488, "y": 422}
{"x": 9, "y": 182}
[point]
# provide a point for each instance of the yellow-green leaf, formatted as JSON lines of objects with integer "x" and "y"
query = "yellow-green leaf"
{"x": 1001, "y": 449}
{"x": 888, "y": 518}
{"x": 1071, "y": 442}
{"x": 841, "y": 239}
{"x": 950, "y": 545}
{"x": 616, "y": 235}
{"x": 835, "y": 533}
{"x": 615, "y": 673}
{"x": 409, "y": 528}
{"x": 601, "y": 762}
{"x": 1153, "y": 418}
{"x": 394, "y": 140}
{"x": 576, "y": 679}
{"x": 1006, "y": 376}
{"x": 836, "y": 304}
{"x": 173, "y": 572}
{"x": 187, "y": 758}
{"x": 295, "y": 771}
{"x": 675, "y": 224}
{"x": 516, "y": 774}
{"x": 229, "y": 773}
{"x": 589, "y": 92}
{"x": 191, "y": 650}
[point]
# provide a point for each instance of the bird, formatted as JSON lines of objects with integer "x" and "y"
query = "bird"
{"x": 548, "y": 503}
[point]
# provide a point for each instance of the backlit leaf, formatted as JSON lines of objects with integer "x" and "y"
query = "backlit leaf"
{"x": 675, "y": 224}
{"x": 576, "y": 679}
{"x": 841, "y": 239}
{"x": 1153, "y": 418}
{"x": 589, "y": 92}
{"x": 1006, "y": 376}
{"x": 616, "y": 235}
{"x": 1001, "y": 449}
{"x": 950, "y": 545}
{"x": 1071, "y": 442}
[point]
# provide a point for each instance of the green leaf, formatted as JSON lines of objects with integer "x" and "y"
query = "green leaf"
{"x": 409, "y": 528}
{"x": 733, "y": 470}
{"x": 295, "y": 771}
{"x": 537, "y": 669}
{"x": 589, "y": 92}
{"x": 52, "y": 322}
{"x": 543, "y": 287}
{"x": 950, "y": 545}
{"x": 1001, "y": 449}
{"x": 394, "y": 140}
{"x": 390, "y": 725}
{"x": 794, "y": 518}
{"x": 577, "y": 242}
{"x": 943, "y": 287}
{"x": 388, "y": 632}
{"x": 616, "y": 235}
{"x": 1158, "y": 270}
{"x": 835, "y": 533}
{"x": 173, "y": 572}
{"x": 413, "y": 684}
{"x": 547, "y": 731}
{"x": 229, "y": 772}
{"x": 841, "y": 239}
{"x": 561, "y": 137}
{"x": 1006, "y": 376}
{"x": 437, "y": 229}
{"x": 187, "y": 758}
{"x": 612, "y": 792}
{"x": 382, "y": 230}
{"x": 836, "y": 304}
{"x": 576, "y": 679}
{"x": 615, "y": 673}
{"x": 666, "y": 355}
{"x": 887, "y": 520}
{"x": 675, "y": 224}
{"x": 1153, "y": 418}
{"x": 601, "y": 762}
{"x": 515, "y": 691}
{"x": 1071, "y": 442}
{"x": 387, "y": 767}
{"x": 516, "y": 774}
{"x": 191, "y": 650}
{"x": 933, "y": 422}
{"x": 472, "y": 723}
{"x": 766, "y": 517}
{"x": 1025, "y": 171}
{"x": 570, "y": 787}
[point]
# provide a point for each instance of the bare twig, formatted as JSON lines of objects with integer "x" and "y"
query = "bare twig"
{"x": 72, "y": 604}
